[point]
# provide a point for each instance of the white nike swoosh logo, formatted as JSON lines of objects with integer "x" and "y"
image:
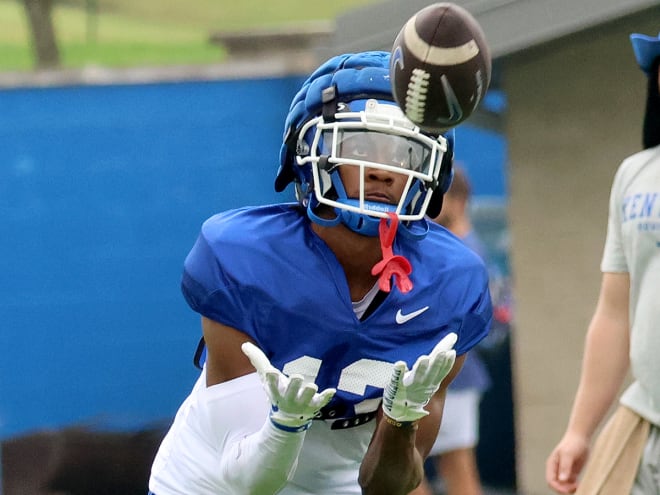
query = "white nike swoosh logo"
{"x": 401, "y": 318}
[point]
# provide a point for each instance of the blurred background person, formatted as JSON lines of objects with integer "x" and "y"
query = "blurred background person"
{"x": 454, "y": 452}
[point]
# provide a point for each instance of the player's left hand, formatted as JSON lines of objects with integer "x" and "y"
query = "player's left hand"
{"x": 409, "y": 391}
{"x": 295, "y": 401}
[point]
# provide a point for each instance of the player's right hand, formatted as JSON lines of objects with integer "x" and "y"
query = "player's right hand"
{"x": 294, "y": 400}
{"x": 566, "y": 462}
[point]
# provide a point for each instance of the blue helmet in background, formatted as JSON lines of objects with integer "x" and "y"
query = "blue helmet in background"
{"x": 646, "y": 50}
{"x": 647, "y": 54}
{"x": 344, "y": 115}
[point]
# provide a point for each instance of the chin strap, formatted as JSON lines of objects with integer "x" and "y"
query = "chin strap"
{"x": 391, "y": 266}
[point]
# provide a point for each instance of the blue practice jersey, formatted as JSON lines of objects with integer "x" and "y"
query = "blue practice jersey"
{"x": 263, "y": 271}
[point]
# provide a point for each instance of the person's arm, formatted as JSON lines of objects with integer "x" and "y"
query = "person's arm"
{"x": 407, "y": 427}
{"x": 430, "y": 425}
{"x": 604, "y": 367}
{"x": 264, "y": 460}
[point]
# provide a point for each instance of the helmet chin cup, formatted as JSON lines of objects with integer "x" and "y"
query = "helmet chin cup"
{"x": 364, "y": 224}
{"x": 369, "y": 226}
{"x": 359, "y": 222}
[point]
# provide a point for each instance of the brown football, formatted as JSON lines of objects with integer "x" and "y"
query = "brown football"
{"x": 440, "y": 67}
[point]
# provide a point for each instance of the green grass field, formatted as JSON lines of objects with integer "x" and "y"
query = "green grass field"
{"x": 125, "y": 33}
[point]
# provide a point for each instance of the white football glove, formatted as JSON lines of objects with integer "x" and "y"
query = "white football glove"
{"x": 409, "y": 391}
{"x": 294, "y": 401}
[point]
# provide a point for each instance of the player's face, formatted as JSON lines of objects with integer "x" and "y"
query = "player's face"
{"x": 380, "y": 185}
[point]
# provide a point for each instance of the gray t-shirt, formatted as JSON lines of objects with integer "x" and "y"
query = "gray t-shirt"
{"x": 633, "y": 246}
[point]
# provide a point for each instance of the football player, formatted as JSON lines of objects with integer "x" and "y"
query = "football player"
{"x": 331, "y": 325}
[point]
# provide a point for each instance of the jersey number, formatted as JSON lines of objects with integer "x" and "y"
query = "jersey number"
{"x": 354, "y": 378}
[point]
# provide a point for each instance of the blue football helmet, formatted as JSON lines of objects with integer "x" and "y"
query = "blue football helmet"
{"x": 345, "y": 116}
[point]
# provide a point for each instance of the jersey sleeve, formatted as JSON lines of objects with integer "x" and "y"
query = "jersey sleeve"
{"x": 614, "y": 259}
{"x": 202, "y": 276}
{"x": 209, "y": 290}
